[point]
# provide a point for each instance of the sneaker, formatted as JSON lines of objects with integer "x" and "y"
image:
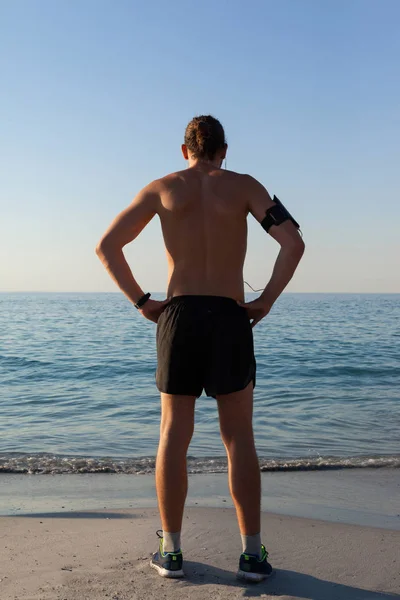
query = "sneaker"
{"x": 168, "y": 564}
{"x": 252, "y": 568}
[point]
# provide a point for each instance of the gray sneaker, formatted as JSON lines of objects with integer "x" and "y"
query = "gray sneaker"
{"x": 252, "y": 568}
{"x": 168, "y": 564}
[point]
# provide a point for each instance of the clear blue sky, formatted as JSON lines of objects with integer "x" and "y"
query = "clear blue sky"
{"x": 96, "y": 96}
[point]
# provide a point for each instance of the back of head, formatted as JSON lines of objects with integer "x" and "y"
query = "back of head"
{"x": 204, "y": 136}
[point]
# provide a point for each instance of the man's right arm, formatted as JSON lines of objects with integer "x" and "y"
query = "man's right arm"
{"x": 287, "y": 236}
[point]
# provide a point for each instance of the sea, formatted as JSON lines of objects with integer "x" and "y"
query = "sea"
{"x": 78, "y": 393}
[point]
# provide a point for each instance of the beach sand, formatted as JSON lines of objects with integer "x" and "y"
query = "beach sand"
{"x": 105, "y": 555}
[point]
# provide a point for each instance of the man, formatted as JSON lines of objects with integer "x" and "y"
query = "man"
{"x": 204, "y": 329}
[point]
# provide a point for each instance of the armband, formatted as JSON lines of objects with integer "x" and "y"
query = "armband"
{"x": 276, "y": 215}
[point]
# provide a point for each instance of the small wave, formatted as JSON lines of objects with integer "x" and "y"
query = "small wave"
{"x": 352, "y": 371}
{"x": 329, "y": 463}
{"x": 21, "y": 361}
{"x": 97, "y": 372}
{"x": 53, "y": 464}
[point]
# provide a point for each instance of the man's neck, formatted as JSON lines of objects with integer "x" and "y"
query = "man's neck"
{"x": 205, "y": 165}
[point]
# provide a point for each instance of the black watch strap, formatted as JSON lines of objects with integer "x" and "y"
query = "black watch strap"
{"x": 142, "y": 300}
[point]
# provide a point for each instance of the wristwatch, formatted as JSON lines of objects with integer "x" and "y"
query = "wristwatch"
{"x": 142, "y": 300}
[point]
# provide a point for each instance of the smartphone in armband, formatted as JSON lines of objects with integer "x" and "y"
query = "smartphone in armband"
{"x": 276, "y": 215}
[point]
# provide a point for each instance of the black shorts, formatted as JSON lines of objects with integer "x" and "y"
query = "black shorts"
{"x": 204, "y": 342}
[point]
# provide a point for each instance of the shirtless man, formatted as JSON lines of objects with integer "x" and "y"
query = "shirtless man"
{"x": 204, "y": 329}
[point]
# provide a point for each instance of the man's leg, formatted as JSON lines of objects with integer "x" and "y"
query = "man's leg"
{"x": 177, "y": 425}
{"x": 235, "y": 417}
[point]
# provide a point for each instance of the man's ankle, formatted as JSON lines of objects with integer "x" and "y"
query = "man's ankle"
{"x": 171, "y": 541}
{"x": 251, "y": 544}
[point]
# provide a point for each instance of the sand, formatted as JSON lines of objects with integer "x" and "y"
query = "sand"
{"x": 368, "y": 497}
{"x": 105, "y": 555}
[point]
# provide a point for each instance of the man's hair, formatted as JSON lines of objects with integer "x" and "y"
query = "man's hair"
{"x": 204, "y": 136}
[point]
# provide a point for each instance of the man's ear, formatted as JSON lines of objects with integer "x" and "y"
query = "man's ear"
{"x": 185, "y": 152}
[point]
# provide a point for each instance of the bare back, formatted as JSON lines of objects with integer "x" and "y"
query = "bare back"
{"x": 203, "y": 212}
{"x": 203, "y": 217}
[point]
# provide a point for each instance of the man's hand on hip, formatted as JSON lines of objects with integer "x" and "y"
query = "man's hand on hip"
{"x": 256, "y": 310}
{"x": 152, "y": 309}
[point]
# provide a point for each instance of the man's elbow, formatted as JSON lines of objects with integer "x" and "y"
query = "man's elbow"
{"x": 104, "y": 247}
{"x": 300, "y": 247}
{"x": 296, "y": 248}
{"x": 99, "y": 249}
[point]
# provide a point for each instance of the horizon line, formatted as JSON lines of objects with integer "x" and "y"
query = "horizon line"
{"x": 119, "y": 292}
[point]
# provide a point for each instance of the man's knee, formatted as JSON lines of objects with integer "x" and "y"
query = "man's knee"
{"x": 242, "y": 438}
{"x": 236, "y": 416}
{"x": 177, "y": 419}
{"x": 176, "y": 430}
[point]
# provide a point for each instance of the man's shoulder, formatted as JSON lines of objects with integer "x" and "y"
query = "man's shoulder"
{"x": 160, "y": 184}
{"x": 185, "y": 174}
{"x": 241, "y": 183}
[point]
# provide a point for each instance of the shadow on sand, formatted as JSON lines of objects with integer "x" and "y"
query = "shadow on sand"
{"x": 80, "y": 515}
{"x": 282, "y": 583}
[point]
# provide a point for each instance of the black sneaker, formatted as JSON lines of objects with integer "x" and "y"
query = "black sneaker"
{"x": 168, "y": 564}
{"x": 252, "y": 568}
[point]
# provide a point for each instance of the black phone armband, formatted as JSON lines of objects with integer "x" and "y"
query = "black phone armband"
{"x": 276, "y": 215}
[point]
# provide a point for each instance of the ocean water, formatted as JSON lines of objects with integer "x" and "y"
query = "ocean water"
{"x": 78, "y": 394}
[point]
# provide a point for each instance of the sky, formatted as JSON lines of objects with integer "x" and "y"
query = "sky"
{"x": 95, "y": 97}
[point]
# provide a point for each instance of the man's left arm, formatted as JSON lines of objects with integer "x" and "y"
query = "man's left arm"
{"x": 123, "y": 230}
